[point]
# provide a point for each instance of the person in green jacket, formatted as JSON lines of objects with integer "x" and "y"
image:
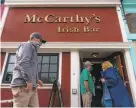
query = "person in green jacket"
{"x": 87, "y": 88}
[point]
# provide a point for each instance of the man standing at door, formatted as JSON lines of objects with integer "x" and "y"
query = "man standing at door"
{"x": 87, "y": 85}
{"x": 25, "y": 74}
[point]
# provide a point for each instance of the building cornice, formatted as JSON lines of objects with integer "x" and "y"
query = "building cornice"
{"x": 68, "y": 46}
{"x": 62, "y": 3}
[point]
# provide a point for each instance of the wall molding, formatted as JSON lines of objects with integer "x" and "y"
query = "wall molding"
{"x": 45, "y": 86}
{"x": 62, "y": 46}
{"x": 60, "y": 3}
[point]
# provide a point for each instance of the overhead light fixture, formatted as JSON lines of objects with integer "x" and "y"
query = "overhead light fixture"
{"x": 95, "y": 55}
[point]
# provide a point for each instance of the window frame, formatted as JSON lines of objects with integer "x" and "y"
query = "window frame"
{"x": 50, "y": 54}
{"x": 3, "y": 69}
{"x": 7, "y": 58}
{"x": 6, "y": 67}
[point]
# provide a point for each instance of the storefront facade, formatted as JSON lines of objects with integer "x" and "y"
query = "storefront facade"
{"x": 74, "y": 33}
{"x": 129, "y": 14}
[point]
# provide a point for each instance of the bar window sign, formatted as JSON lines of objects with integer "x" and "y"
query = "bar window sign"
{"x": 131, "y": 21}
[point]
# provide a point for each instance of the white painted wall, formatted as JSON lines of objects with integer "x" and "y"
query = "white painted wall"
{"x": 75, "y": 75}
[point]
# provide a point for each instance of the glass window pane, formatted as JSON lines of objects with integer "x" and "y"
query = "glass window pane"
{"x": 52, "y": 77}
{"x": 12, "y": 59}
{"x": 53, "y": 68}
{"x": 45, "y": 67}
{"x": 10, "y": 67}
{"x": 8, "y": 77}
{"x": 44, "y": 77}
{"x": 45, "y": 59}
{"x": 133, "y": 24}
{"x": 39, "y": 59}
{"x": 53, "y": 59}
{"x": 131, "y": 20}
{"x": 39, "y": 67}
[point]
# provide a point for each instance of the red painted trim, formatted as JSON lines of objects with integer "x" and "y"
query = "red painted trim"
{"x": 66, "y": 78}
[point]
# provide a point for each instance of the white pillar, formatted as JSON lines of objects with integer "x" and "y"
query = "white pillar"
{"x": 3, "y": 20}
{"x": 75, "y": 82}
{"x": 121, "y": 23}
{"x": 131, "y": 75}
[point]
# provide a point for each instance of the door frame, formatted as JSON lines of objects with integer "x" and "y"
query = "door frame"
{"x": 129, "y": 71}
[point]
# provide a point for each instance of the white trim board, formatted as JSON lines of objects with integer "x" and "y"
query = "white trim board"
{"x": 71, "y": 45}
{"x": 75, "y": 75}
{"x": 61, "y": 3}
{"x": 60, "y": 67}
{"x": 121, "y": 23}
{"x": 45, "y": 86}
{"x": 131, "y": 75}
{"x": 3, "y": 20}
